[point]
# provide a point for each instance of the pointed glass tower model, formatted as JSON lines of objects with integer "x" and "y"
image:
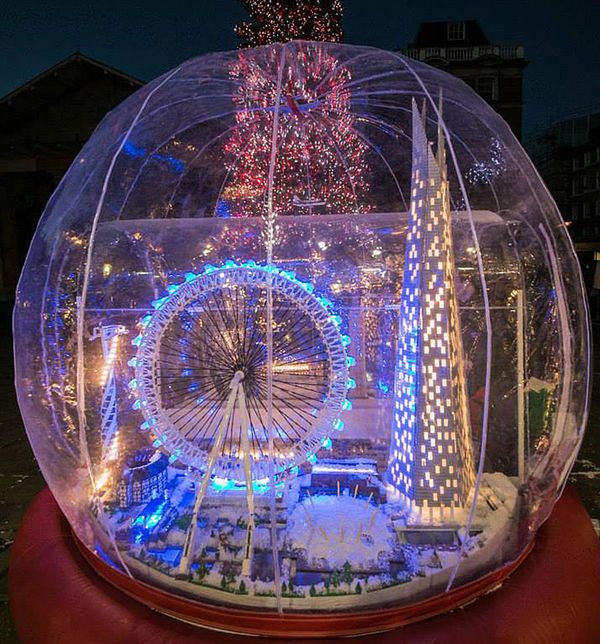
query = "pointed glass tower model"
{"x": 431, "y": 459}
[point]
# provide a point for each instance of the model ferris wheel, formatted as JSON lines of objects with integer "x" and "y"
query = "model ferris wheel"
{"x": 203, "y": 374}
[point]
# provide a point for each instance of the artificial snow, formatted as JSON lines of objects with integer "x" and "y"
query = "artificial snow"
{"x": 339, "y": 529}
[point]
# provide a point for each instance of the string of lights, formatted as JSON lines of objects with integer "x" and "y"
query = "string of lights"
{"x": 282, "y": 20}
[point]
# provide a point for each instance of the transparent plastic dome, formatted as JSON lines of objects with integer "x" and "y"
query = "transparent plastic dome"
{"x": 302, "y": 329}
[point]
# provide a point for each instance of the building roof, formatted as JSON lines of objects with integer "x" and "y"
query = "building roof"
{"x": 435, "y": 34}
{"x": 27, "y": 100}
{"x": 144, "y": 465}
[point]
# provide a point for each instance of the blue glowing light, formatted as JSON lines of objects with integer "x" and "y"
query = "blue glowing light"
{"x": 338, "y": 424}
{"x": 346, "y": 340}
{"x": 346, "y": 405}
{"x": 350, "y": 361}
{"x": 326, "y": 442}
{"x": 382, "y": 387}
{"x": 351, "y": 383}
{"x": 222, "y": 210}
{"x": 260, "y": 486}
{"x": 311, "y": 458}
{"x": 308, "y": 287}
{"x": 158, "y": 303}
{"x": 132, "y": 150}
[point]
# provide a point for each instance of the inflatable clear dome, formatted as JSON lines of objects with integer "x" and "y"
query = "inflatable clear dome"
{"x": 302, "y": 332}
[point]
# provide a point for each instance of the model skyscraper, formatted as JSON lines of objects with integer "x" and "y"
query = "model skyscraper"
{"x": 431, "y": 460}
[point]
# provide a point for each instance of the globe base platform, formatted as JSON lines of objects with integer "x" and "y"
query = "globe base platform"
{"x": 56, "y": 596}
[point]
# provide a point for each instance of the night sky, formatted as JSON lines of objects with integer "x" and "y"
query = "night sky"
{"x": 144, "y": 39}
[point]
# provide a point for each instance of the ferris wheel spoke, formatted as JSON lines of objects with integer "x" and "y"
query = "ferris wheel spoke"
{"x": 277, "y": 426}
{"x": 307, "y": 416}
{"x": 205, "y": 421}
{"x": 218, "y": 362}
{"x": 206, "y": 397}
{"x": 216, "y": 340}
{"x": 210, "y": 343}
{"x": 223, "y": 326}
{"x": 286, "y": 415}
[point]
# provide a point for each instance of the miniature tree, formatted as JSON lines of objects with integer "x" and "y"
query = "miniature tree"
{"x": 347, "y": 575}
{"x": 358, "y": 588}
{"x": 242, "y": 587}
{"x": 284, "y": 587}
{"x": 313, "y": 590}
{"x": 202, "y": 569}
{"x": 224, "y": 582}
{"x": 335, "y": 578}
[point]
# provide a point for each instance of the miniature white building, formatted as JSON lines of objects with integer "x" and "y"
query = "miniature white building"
{"x": 431, "y": 461}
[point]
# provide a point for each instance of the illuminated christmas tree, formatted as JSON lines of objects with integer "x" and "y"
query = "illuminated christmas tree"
{"x": 274, "y": 21}
{"x": 319, "y": 165}
{"x": 431, "y": 459}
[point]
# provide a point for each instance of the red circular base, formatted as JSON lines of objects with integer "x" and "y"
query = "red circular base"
{"x": 296, "y": 625}
{"x": 552, "y": 597}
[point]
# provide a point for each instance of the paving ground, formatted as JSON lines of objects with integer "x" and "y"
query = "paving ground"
{"x": 20, "y": 478}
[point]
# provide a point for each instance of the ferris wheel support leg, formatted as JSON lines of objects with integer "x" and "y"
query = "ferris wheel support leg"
{"x": 184, "y": 564}
{"x": 248, "y": 549}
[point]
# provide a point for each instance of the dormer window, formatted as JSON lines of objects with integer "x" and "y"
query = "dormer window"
{"x": 456, "y": 31}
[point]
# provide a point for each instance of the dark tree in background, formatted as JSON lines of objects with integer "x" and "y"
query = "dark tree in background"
{"x": 282, "y": 20}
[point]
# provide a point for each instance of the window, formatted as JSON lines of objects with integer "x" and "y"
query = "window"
{"x": 456, "y": 31}
{"x": 587, "y": 158}
{"x": 586, "y": 182}
{"x": 586, "y": 210}
{"x": 487, "y": 87}
{"x": 574, "y": 212}
{"x": 575, "y": 163}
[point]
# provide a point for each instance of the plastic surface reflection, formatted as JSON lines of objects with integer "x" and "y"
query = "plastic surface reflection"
{"x": 301, "y": 328}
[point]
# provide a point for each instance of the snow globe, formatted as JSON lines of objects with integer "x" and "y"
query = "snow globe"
{"x": 302, "y": 332}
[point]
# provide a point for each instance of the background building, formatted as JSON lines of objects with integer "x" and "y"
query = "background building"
{"x": 567, "y": 155}
{"x": 494, "y": 71}
{"x": 43, "y": 125}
